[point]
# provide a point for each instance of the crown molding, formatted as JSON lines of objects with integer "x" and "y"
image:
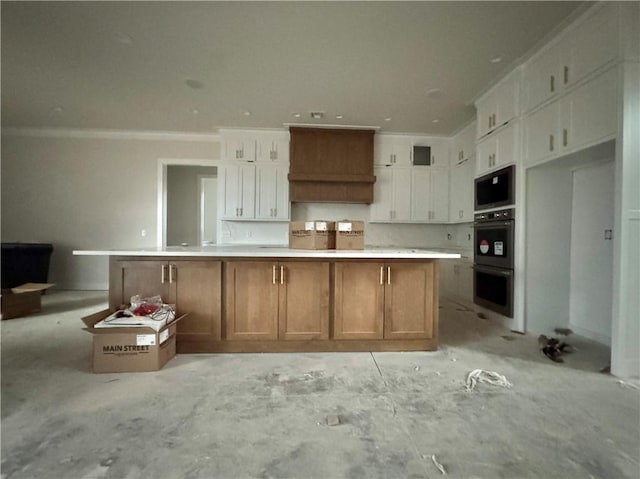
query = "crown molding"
{"x": 110, "y": 134}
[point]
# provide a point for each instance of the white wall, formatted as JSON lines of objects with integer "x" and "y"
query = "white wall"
{"x": 89, "y": 191}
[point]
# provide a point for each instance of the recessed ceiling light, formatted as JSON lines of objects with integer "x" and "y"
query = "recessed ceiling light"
{"x": 193, "y": 83}
{"x": 435, "y": 121}
{"x": 296, "y": 115}
{"x": 246, "y": 113}
{"x": 387, "y": 118}
{"x": 57, "y": 109}
{"x": 195, "y": 111}
{"x": 434, "y": 93}
{"x": 496, "y": 60}
{"x": 339, "y": 117}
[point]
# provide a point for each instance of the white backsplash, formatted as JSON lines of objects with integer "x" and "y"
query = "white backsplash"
{"x": 376, "y": 234}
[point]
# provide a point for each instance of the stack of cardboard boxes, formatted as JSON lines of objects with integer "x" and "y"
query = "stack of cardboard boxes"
{"x": 326, "y": 234}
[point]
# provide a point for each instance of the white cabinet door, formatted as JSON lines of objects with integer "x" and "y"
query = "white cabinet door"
{"x": 440, "y": 153}
{"x": 382, "y": 205}
{"x": 541, "y": 139}
{"x": 240, "y": 148}
{"x": 461, "y": 193}
{"x": 591, "y": 45}
{"x": 485, "y": 155}
{"x": 589, "y": 113}
{"x": 239, "y": 191}
{"x": 401, "y": 194}
{"x": 499, "y": 105}
{"x": 507, "y": 141}
{"x": 392, "y": 150}
{"x": 541, "y": 78}
{"x": 272, "y": 192}
{"x": 273, "y": 149}
{"x": 439, "y": 212}
{"x": 421, "y": 194}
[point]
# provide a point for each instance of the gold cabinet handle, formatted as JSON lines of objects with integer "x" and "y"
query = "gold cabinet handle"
{"x": 171, "y": 273}
{"x": 381, "y": 275}
{"x": 388, "y": 274}
{"x": 163, "y": 276}
{"x": 273, "y": 274}
{"x": 281, "y": 274}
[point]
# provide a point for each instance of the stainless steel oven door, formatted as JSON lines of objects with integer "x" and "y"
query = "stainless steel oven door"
{"x": 493, "y": 243}
{"x": 493, "y": 289}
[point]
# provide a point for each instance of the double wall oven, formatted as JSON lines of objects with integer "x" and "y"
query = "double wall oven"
{"x": 494, "y": 242}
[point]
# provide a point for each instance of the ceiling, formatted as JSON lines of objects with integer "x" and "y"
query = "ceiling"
{"x": 199, "y": 66}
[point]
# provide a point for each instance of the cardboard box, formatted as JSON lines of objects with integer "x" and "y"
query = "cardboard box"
{"x": 350, "y": 235}
{"x": 22, "y": 300}
{"x": 130, "y": 349}
{"x": 312, "y": 235}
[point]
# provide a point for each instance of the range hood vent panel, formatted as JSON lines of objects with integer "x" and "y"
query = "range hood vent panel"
{"x": 331, "y": 165}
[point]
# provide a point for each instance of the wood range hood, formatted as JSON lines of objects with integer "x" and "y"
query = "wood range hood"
{"x": 331, "y": 165}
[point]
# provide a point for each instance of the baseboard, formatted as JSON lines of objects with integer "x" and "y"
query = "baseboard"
{"x": 587, "y": 333}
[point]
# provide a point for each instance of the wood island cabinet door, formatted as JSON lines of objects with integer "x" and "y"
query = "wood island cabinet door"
{"x": 251, "y": 300}
{"x": 359, "y": 301}
{"x": 197, "y": 291}
{"x": 409, "y": 300}
{"x": 128, "y": 278}
{"x": 303, "y": 300}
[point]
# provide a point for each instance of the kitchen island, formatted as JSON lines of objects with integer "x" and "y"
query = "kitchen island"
{"x": 248, "y": 298}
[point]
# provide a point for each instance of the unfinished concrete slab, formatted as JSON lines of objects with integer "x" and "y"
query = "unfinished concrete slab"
{"x": 266, "y": 415}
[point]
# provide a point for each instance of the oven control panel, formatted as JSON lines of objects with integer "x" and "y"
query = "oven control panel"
{"x": 507, "y": 214}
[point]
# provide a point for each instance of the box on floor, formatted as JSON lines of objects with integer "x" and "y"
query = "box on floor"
{"x": 130, "y": 349}
{"x": 22, "y": 300}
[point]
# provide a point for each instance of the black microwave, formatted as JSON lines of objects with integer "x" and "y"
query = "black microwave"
{"x": 496, "y": 189}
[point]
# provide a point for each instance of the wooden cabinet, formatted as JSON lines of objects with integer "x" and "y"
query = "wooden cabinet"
{"x": 584, "y": 117}
{"x": 580, "y": 51}
{"x": 267, "y": 300}
{"x": 498, "y": 149}
{"x": 410, "y": 300}
{"x": 272, "y": 190}
{"x": 499, "y": 105}
{"x": 384, "y": 300}
{"x": 194, "y": 286}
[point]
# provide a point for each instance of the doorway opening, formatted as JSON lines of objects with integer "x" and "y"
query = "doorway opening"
{"x": 569, "y": 252}
{"x": 187, "y": 211}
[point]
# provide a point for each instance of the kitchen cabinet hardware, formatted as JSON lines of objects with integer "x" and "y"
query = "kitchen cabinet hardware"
{"x": 388, "y": 274}
{"x": 171, "y": 267}
{"x": 273, "y": 274}
{"x": 565, "y": 137}
{"x": 552, "y": 83}
{"x": 381, "y": 275}
{"x": 550, "y": 142}
{"x": 281, "y": 274}
{"x": 566, "y": 74}
{"x": 163, "y": 275}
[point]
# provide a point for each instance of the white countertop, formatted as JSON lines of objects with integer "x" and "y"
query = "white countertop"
{"x": 275, "y": 251}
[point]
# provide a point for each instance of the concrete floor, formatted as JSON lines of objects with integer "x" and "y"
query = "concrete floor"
{"x": 265, "y": 415}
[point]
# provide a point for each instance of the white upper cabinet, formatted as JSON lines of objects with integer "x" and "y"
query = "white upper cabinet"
{"x": 461, "y": 192}
{"x": 430, "y": 195}
{"x": 584, "y": 117}
{"x": 392, "y": 150}
{"x": 496, "y": 151}
{"x": 499, "y": 105}
{"x": 438, "y": 149}
{"x": 391, "y": 195}
{"x": 272, "y": 188}
{"x": 239, "y": 146}
{"x": 574, "y": 55}
{"x": 273, "y": 147}
{"x": 238, "y": 191}
{"x": 464, "y": 145}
